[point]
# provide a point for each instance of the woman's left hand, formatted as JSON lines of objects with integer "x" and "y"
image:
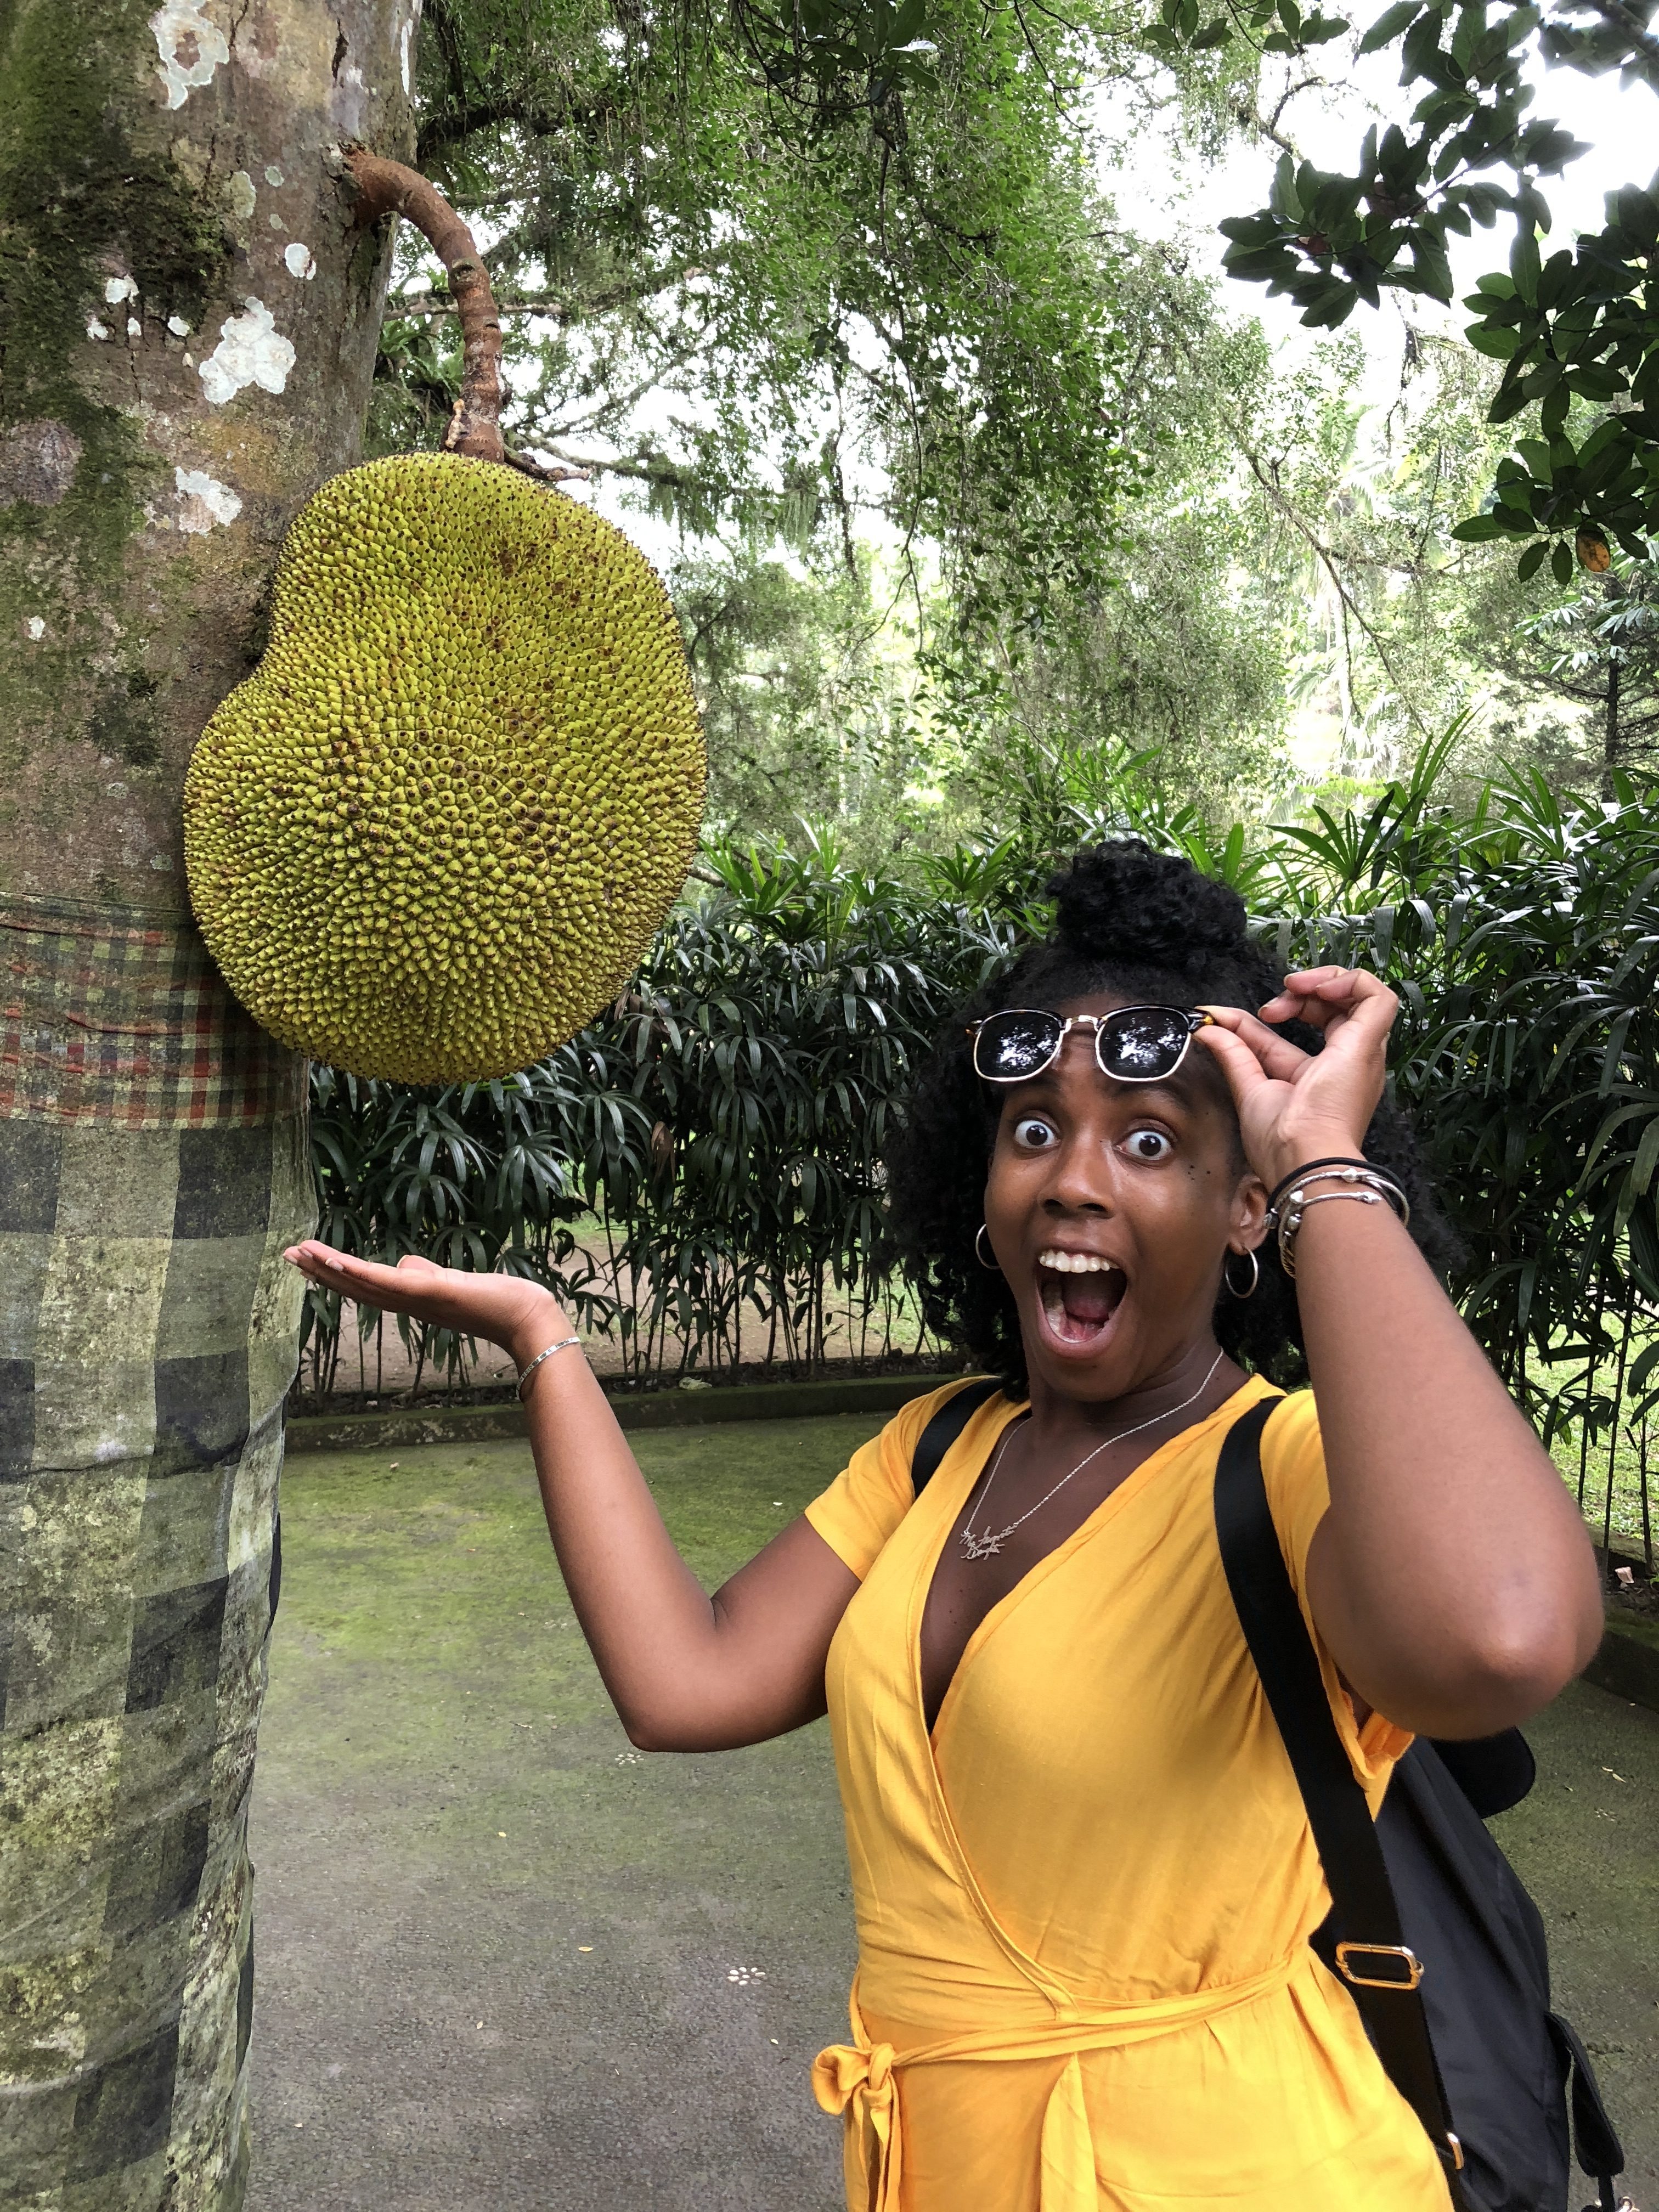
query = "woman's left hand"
{"x": 1293, "y": 1106}
{"x": 509, "y": 1310}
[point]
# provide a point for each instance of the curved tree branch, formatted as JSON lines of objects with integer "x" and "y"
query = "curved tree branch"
{"x": 446, "y": 127}
{"x": 388, "y": 188}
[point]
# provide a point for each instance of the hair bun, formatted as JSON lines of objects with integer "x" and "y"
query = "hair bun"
{"x": 1124, "y": 901}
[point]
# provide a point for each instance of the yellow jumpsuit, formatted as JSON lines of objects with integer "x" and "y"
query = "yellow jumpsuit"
{"x": 1083, "y": 1903}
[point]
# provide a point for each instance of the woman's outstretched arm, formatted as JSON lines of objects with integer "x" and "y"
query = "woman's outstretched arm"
{"x": 685, "y": 1672}
{"x": 1452, "y": 1577}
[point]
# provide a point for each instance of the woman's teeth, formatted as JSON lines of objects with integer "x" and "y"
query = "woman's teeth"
{"x": 1080, "y": 1292}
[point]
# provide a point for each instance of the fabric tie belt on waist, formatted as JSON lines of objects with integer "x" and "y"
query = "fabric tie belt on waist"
{"x": 859, "y": 2081}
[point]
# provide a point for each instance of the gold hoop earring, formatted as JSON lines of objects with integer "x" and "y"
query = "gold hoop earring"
{"x": 1256, "y": 1275}
{"x": 990, "y": 1265}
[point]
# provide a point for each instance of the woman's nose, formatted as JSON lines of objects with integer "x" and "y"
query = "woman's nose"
{"x": 1082, "y": 1179}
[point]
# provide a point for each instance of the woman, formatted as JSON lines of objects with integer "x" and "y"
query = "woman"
{"x": 1084, "y": 1878}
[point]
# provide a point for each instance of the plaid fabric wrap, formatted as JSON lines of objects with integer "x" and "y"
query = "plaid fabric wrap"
{"x": 148, "y": 1335}
{"x": 122, "y": 1019}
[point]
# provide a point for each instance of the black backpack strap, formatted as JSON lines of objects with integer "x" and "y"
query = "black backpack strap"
{"x": 1372, "y": 1956}
{"x": 1594, "y": 2140}
{"x": 1494, "y": 1772}
{"x": 946, "y": 1426}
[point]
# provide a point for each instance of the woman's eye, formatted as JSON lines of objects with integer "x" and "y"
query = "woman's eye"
{"x": 1032, "y": 1134}
{"x": 1149, "y": 1144}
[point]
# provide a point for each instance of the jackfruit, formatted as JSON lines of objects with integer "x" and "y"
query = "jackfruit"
{"x": 437, "y": 828}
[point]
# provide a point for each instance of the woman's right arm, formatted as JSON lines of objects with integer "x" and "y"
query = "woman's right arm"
{"x": 685, "y": 1672}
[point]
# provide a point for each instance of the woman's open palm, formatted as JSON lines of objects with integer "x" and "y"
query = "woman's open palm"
{"x": 502, "y": 1307}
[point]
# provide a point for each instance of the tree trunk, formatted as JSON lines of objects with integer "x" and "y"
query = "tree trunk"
{"x": 1610, "y": 734}
{"x": 187, "y": 329}
{"x": 1613, "y": 731}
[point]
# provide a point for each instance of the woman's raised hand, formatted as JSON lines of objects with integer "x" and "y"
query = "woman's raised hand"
{"x": 1294, "y": 1106}
{"x": 519, "y": 1315}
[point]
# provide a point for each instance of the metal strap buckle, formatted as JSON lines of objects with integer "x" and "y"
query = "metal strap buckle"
{"x": 1456, "y": 2151}
{"x": 1408, "y": 1980}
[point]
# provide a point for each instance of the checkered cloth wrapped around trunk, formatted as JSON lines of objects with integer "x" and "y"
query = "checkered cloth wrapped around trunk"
{"x": 153, "y": 1165}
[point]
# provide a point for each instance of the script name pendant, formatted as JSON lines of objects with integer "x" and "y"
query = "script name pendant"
{"x": 981, "y": 1544}
{"x": 980, "y": 1548}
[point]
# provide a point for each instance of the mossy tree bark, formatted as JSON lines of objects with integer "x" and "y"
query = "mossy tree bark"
{"x": 188, "y": 317}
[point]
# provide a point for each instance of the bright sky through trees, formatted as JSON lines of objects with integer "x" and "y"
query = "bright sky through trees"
{"x": 1619, "y": 123}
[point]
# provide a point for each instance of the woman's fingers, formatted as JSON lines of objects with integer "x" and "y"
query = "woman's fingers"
{"x": 413, "y": 1286}
{"x": 1326, "y": 997}
{"x": 1286, "y": 1098}
{"x": 473, "y": 1301}
{"x": 1276, "y": 1055}
{"x": 1240, "y": 1063}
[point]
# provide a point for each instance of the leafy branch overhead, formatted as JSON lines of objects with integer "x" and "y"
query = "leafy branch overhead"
{"x": 1579, "y": 326}
{"x": 787, "y": 260}
{"x": 835, "y": 57}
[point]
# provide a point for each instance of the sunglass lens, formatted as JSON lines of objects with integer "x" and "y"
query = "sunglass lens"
{"x": 1144, "y": 1043}
{"x": 1013, "y": 1046}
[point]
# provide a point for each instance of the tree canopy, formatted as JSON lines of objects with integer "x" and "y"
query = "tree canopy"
{"x": 1578, "y": 327}
{"x": 777, "y": 269}
{"x": 958, "y": 463}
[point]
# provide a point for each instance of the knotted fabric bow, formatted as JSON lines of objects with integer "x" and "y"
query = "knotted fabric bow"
{"x": 859, "y": 2080}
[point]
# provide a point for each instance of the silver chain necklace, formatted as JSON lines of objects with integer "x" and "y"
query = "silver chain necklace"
{"x": 986, "y": 1546}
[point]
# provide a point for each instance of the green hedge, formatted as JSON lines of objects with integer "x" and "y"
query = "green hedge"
{"x": 717, "y": 1136}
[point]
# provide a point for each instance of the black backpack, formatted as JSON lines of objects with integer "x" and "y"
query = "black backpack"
{"x": 1473, "y": 2045}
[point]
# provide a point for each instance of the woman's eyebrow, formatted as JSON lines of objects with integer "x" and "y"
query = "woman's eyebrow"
{"x": 1165, "y": 1086}
{"x": 1183, "y": 1091}
{"x": 1045, "y": 1079}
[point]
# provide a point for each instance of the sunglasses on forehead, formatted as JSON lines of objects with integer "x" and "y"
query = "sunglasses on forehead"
{"x": 1134, "y": 1044}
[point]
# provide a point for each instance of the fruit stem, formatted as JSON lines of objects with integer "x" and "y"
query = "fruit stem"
{"x": 388, "y": 188}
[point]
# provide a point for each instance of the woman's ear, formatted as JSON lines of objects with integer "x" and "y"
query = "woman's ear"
{"x": 1249, "y": 1221}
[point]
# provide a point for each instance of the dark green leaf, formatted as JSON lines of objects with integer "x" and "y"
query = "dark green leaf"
{"x": 1388, "y": 26}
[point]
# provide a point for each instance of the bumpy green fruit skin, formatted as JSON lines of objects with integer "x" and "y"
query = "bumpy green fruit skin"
{"x": 435, "y": 831}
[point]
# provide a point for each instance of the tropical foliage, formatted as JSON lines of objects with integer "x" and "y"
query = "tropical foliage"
{"x": 956, "y": 457}
{"x": 772, "y": 269}
{"x": 716, "y": 1137}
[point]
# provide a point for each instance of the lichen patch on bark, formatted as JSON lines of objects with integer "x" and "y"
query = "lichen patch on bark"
{"x": 191, "y": 47}
{"x": 204, "y": 502}
{"x": 251, "y": 351}
{"x": 38, "y": 461}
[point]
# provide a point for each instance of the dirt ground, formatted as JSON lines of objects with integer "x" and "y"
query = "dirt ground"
{"x": 505, "y": 1964}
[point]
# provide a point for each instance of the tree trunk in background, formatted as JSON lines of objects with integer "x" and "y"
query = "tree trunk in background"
{"x": 1611, "y": 732}
{"x": 187, "y": 331}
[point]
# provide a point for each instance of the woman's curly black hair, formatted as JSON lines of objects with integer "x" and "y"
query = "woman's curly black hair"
{"x": 1147, "y": 927}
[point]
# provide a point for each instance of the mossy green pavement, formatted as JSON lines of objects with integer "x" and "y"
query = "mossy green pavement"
{"x": 504, "y": 1962}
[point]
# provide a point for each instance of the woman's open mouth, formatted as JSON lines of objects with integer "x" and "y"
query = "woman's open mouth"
{"x": 1079, "y": 1293}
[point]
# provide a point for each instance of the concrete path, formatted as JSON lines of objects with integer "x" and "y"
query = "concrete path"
{"x": 507, "y": 1965}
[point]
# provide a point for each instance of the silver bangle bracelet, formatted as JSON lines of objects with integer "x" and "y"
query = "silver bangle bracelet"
{"x": 1289, "y": 1222}
{"x": 564, "y": 1344}
{"x": 1349, "y": 1173}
